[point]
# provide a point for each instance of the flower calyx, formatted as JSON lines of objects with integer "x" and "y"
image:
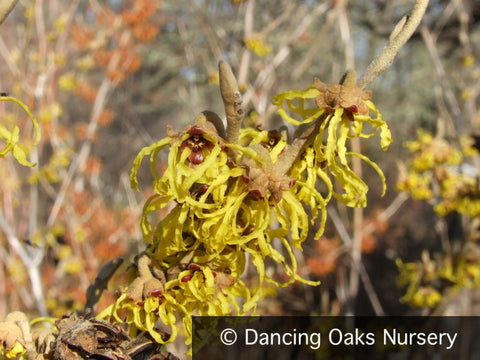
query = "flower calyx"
{"x": 265, "y": 180}
{"x": 345, "y": 95}
{"x": 146, "y": 284}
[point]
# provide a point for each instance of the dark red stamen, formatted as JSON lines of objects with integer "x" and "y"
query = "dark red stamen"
{"x": 187, "y": 278}
{"x": 352, "y": 108}
{"x": 248, "y": 230}
{"x": 255, "y": 194}
{"x": 196, "y": 157}
{"x": 196, "y": 130}
{"x": 156, "y": 292}
{"x": 194, "y": 267}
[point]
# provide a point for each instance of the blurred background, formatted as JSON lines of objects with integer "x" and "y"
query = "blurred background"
{"x": 105, "y": 78}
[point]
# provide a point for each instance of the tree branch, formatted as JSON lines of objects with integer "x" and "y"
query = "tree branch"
{"x": 400, "y": 35}
{"x": 232, "y": 100}
{"x": 6, "y": 6}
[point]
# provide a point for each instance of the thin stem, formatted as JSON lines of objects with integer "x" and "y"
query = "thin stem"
{"x": 443, "y": 81}
{"x": 358, "y": 264}
{"x": 400, "y": 35}
{"x": 232, "y": 100}
{"x": 388, "y": 212}
{"x": 95, "y": 290}
{"x": 79, "y": 160}
{"x": 284, "y": 52}
{"x": 287, "y": 158}
{"x": 346, "y": 34}
{"x": 246, "y": 54}
{"x": 31, "y": 260}
{"x": 6, "y": 6}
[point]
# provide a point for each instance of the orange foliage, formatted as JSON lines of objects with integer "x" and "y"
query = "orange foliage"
{"x": 326, "y": 259}
{"x": 93, "y": 166}
{"x": 116, "y": 75}
{"x": 102, "y": 57}
{"x": 106, "y": 117}
{"x": 86, "y": 91}
{"x": 140, "y": 13}
{"x": 133, "y": 63}
{"x": 108, "y": 250}
{"x": 145, "y": 32}
{"x": 106, "y": 18}
{"x": 321, "y": 265}
{"x": 129, "y": 220}
{"x": 376, "y": 224}
{"x": 51, "y": 129}
{"x": 81, "y": 35}
{"x": 369, "y": 243}
{"x": 81, "y": 132}
{"x": 380, "y": 223}
{"x": 80, "y": 201}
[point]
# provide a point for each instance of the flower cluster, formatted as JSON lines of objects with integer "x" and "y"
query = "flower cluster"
{"x": 226, "y": 202}
{"x": 445, "y": 176}
{"x": 427, "y": 280}
{"x": 341, "y": 112}
{"x": 257, "y": 45}
{"x": 441, "y": 173}
{"x": 12, "y": 138}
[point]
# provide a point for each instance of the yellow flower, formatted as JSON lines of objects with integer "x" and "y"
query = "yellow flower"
{"x": 468, "y": 61}
{"x": 197, "y": 290}
{"x": 341, "y": 112}
{"x": 12, "y": 137}
{"x": 16, "y": 350}
{"x": 425, "y": 297}
{"x": 224, "y": 201}
{"x": 418, "y": 185}
{"x": 467, "y": 146}
{"x": 228, "y": 201}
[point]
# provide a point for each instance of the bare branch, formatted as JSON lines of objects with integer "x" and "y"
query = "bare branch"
{"x": 232, "y": 100}
{"x": 287, "y": 158}
{"x": 95, "y": 290}
{"x": 400, "y": 35}
{"x": 357, "y": 263}
{"x": 5, "y": 7}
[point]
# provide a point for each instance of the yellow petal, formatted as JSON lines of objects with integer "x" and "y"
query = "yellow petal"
{"x": 148, "y": 150}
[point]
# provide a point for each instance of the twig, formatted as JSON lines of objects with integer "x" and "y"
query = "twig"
{"x": 31, "y": 261}
{"x": 246, "y": 56}
{"x": 284, "y": 52}
{"x": 7, "y": 57}
{"x": 95, "y": 290}
{"x": 6, "y": 6}
{"x": 400, "y": 35}
{"x": 345, "y": 34}
{"x": 358, "y": 265}
{"x": 391, "y": 210}
{"x": 350, "y": 79}
{"x": 443, "y": 82}
{"x": 232, "y": 100}
{"x": 99, "y": 104}
{"x": 288, "y": 157}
